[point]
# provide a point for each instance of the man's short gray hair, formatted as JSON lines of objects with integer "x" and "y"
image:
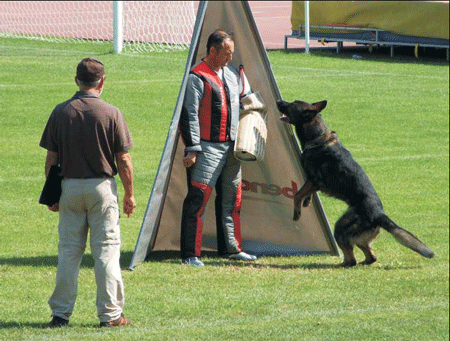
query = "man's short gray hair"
{"x": 89, "y": 85}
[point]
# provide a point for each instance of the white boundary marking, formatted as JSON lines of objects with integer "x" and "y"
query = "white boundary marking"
{"x": 339, "y": 72}
{"x": 403, "y": 157}
{"x": 292, "y": 315}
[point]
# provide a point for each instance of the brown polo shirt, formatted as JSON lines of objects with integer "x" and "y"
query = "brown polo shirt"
{"x": 86, "y": 132}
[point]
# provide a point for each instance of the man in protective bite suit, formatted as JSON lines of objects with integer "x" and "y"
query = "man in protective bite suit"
{"x": 208, "y": 125}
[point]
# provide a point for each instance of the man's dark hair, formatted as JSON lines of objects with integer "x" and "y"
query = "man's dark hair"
{"x": 216, "y": 39}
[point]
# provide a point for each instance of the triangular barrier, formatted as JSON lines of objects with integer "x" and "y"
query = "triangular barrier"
{"x": 268, "y": 186}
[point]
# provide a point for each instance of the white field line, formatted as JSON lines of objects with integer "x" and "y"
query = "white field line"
{"x": 7, "y": 48}
{"x": 291, "y": 315}
{"x": 403, "y": 157}
{"x": 340, "y": 72}
{"x": 142, "y": 81}
{"x": 154, "y": 54}
{"x": 363, "y": 159}
{"x": 335, "y": 72}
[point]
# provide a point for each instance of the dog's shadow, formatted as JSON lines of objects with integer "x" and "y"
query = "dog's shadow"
{"x": 212, "y": 258}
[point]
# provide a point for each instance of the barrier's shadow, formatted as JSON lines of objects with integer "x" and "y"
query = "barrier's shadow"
{"x": 212, "y": 258}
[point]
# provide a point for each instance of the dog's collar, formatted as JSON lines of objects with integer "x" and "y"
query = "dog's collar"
{"x": 327, "y": 139}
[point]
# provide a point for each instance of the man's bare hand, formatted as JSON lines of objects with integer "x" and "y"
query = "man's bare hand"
{"x": 129, "y": 204}
{"x": 189, "y": 159}
{"x": 54, "y": 208}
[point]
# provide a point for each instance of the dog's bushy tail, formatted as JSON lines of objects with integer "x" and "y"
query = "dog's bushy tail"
{"x": 404, "y": 237}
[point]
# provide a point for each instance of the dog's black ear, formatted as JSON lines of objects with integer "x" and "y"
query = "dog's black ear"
{"x": 319, "y": 106}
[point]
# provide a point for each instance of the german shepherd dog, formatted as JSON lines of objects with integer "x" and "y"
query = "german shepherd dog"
{"x": 330, "y": 168}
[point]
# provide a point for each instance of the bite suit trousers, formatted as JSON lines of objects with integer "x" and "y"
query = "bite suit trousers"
{"x": 215, "y": 167}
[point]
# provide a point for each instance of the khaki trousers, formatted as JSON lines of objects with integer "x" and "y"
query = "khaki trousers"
{"x": 89, "y": 204}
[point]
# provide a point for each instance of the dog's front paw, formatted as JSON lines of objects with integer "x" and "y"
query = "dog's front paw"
{"x": 296, "y": 215}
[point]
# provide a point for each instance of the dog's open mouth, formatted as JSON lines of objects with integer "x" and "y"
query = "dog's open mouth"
{"x": 284, "y": 118}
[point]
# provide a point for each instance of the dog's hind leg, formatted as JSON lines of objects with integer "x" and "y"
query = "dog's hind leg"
{"x": 349, "y": 255}
{"x": 305, "y": 192}
{"x": 344, "y": 234}
{"x": 364, "y": 242}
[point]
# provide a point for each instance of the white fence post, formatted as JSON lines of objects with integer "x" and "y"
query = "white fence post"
{"x": 118, "y": 25}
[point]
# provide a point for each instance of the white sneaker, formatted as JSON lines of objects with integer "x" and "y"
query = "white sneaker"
{"x": 195, "y": 261}
{"x": 243, "y": 256}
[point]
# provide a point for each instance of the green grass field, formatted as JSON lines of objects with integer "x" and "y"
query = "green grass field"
{"x": 392, "y": 114}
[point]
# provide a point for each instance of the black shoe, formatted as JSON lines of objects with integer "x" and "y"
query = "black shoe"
{"x": 58, "y": 322}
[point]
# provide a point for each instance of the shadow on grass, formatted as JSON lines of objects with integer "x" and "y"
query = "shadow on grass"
{"x": 52, "y": 261}
{"x": 402, "y": 54}
{"x": 211, "y": 258}
{"x": 45, "y": 325}
{"x": 12, "y": 325}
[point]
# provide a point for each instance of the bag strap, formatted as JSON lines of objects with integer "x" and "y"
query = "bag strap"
{"x": 242, "y": 81}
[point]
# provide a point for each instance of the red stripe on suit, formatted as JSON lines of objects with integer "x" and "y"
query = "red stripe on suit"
{"x": 198, "y": 235}
{"x": 236, "y": 217}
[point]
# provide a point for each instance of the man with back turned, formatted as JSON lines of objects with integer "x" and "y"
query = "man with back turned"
{"x": 90, "y": 141}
